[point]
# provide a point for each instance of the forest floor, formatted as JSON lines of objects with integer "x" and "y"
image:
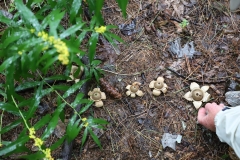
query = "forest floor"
{"x": 152, "y": 48}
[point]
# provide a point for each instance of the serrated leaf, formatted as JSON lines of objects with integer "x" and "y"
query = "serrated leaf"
{"x": 8, "y": 63}
{"x": 42, "y": 122}
{"x": 83, "y": 109}
{"x": 58, "y": 143}
{"x": 71, "y": 30}
{"x": 11, "y": 126}
{"x": 92, "y": 45}
{"x": 123, "y": 5}
{"x": 74, "y": 87}
{"x": 76, "y": 4}
{"x": 53, "y": 122}
{"x": 73, "y": 130}
{"x": 85, "y": 133}
{"x": 27, "y": 85}
{"x": 14, "y": 145}
{"x": 60, "y": 87}
{"x": 95, "y": 138}
{"x": 54, "y": 20}
{"x": 9, "y": 108}
{"x": 81, "y": 37}
{"x": 99, "y": 121}
{"x": 77, "y": 100}
{"x": 27, "y": 14}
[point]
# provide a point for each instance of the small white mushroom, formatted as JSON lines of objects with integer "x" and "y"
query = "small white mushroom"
{"x": 96, "y": 95}
{"x": 72, "y": 75}
{"x": 197, "y": 94}
{"x": 134, "y": 90}
{"x": 159, "y": 86}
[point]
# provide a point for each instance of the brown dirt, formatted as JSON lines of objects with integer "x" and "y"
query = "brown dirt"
{"x": 136, "y": 125}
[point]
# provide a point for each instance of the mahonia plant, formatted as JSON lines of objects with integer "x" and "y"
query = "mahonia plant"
{"x": 32, "y": 45}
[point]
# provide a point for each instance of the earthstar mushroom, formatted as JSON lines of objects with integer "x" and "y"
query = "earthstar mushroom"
{"x": 197, "y": 94}
{"x": 134, "y": 90}
{"x": 73, "y": 71}
{"x": 96, "y": 95}
{"x": 159, "y": 86}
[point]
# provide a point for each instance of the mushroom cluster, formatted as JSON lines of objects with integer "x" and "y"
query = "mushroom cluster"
{"x": 197, "y": 94}
{"x": 96, "y": 95}
{"x": 158, "y": 86}
{"x": 134, "y": 90}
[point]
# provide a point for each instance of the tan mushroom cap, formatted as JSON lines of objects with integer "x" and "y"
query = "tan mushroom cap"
{"x": 96, "y": 95}
{"x": 197, "y": 94}
{"x": 134, "y": 90}
{"x": 73, "y": 71}
{"x": 159, "y": 86}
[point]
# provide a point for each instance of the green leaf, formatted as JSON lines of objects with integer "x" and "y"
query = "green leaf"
{"x": 73, "y": 130}
{"x": 95, "y": 138}
{"x": 83, "y": 109}
{"x": 81, "y": 37}
{"x": 10, "y": 40}
{"x": 8, "y": 63}
{"x": 74, "y": 87}
{"x": 42, "y": 122}
{"x": 38, "y": 155}
{"x": 27, "y": 85}
{"x": 96, "y": 62}
{"x": 111, "y": 27}
{"x": 123, "y": 5}
{"x": 85, "y": 133}
{"x": 54, "y": 20}
{"x": 53, "y": 122}
{"x": 77, "y": 100}
{"x": 99, "y": 121}
{"x": 96, "y": 74}
{"x": 98, "y": 14}
{"x": 9, "y": 108}
{"x": 60, "y": 87}
{"x": 27, "y": 14}
{"x": 14, "y": 145}
{"x": 6, "y": 20}
{"x": 58, "y": 143}
{"x": 115, "y": 37}
{"x": 71, "y": 30}
{"x": 56, "y": 77}
{"x": 92, "y": 45}
{"x": 49, "y": 63}
{"x": 76, "y": 4}
{"x": 11, "y": 126}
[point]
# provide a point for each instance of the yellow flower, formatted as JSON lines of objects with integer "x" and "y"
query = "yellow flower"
{"x": 84, "y": 119}
{"x": 101, "y": 29}
{"x": 1, "y": 145}
{"x": 32, "y": 30}
{"x": 20, "y": 52}
{"x": 60, "y": 46}
{"x": 38, "y": 142}
{"x": 32, "y": 133}
{"x": 86, "y": 124}
{"x": 47, "y": 153}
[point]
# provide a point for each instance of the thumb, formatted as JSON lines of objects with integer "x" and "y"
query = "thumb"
{"x": 201, "y": 115}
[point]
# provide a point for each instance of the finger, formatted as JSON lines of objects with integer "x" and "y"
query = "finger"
{"x": 209, "y": 105}
{"x": 201, "y": 115}
{"x": 222, "y": 105}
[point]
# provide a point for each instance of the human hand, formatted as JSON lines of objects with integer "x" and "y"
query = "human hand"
{"x": 206, "y": 115}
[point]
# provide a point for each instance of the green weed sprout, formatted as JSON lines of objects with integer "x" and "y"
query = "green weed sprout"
{"x": 184, "y": 23}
